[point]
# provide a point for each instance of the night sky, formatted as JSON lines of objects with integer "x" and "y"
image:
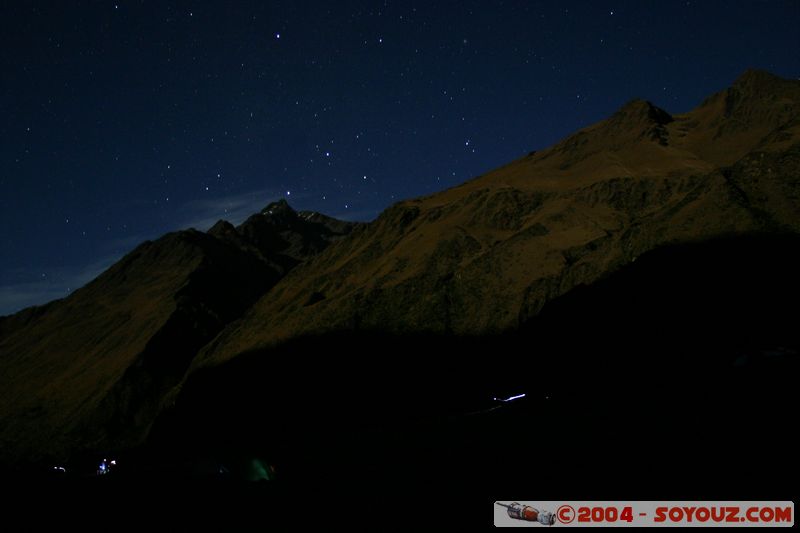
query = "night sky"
{"x": 124, "y": 120}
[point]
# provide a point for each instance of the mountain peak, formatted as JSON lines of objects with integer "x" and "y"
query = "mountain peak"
{"x": 281, "y": 207}
{"x": 638, "y": 111}
{"x": 756, "y": 78}
{"x": 222, "y": 228}
{"x": 636, "y": 104}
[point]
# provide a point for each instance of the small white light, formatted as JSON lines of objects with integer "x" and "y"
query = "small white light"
{"x": 510, "y": 398}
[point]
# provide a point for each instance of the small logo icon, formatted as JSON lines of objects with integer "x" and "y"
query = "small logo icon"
{"x": 529, "y": 514}
{"x": 565, "y": 514}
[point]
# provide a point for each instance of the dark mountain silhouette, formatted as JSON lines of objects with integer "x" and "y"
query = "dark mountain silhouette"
{"x": 282, "y": 237}
{"x": 92, "y": 369}
{"x": 648, "y": 245}
{"x": 672, "y": 377}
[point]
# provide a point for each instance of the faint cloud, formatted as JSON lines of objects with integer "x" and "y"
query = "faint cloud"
{"x": 14, "y": 298}
{"x": 59, "y": 284}
{"x": 198, "y": 214}
{"x": 235, "y": 208}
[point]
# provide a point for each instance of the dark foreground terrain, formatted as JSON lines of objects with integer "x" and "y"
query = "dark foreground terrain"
{"x": 674, "y": 378}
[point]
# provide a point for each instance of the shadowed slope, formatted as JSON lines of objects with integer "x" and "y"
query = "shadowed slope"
{"x": 683, "y": 360}
{"x": 92, "y": 370}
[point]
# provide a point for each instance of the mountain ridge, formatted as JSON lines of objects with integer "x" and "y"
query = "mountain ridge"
{"x": 562, "y": 217}
{"x": 107, "y": 355}
{"x": 96, "y": 369}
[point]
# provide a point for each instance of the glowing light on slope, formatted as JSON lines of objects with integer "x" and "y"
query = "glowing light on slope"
{"x": 510, "y": 398}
